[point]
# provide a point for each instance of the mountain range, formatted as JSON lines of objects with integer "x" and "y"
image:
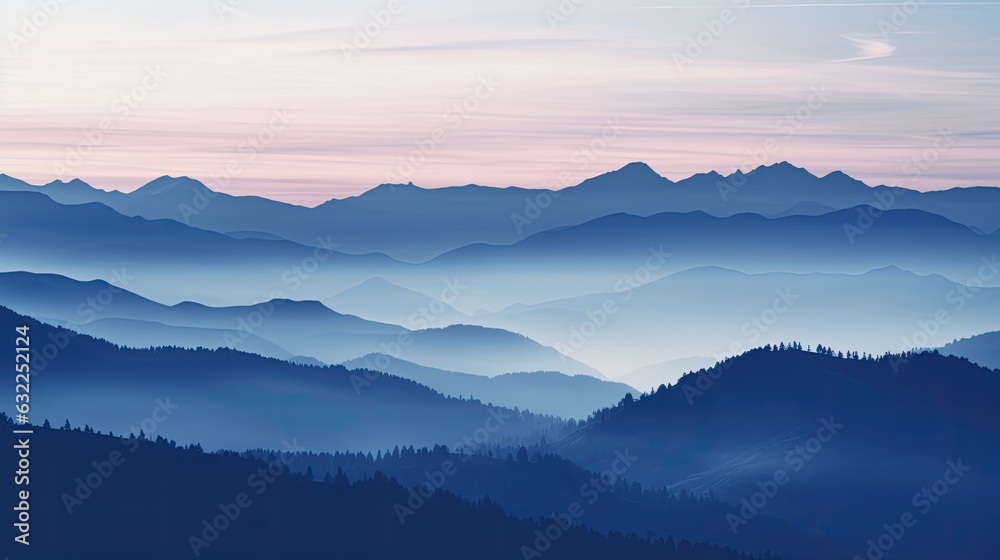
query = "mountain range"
{"x": 548, "y": 392}
{"x": 278, "y": 328}
{"x": 415, "y": 224}
{"x": 625, "y": 339}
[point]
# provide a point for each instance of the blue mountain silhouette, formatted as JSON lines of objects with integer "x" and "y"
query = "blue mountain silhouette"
{"x": 982, "y": 349}
{"x": 277, "y": 328}
{"x": 547, "y": 392}
{"x": 434, "y": 220}
{"x": 884, "y": 429}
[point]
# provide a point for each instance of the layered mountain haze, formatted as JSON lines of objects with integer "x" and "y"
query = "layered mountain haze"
{"x": 688, "y": 268}
{"x": 546, "y": 392}
{"x": 982, "y": 349}
{"x": 719, "y": 312}
{"x": 912, "y": 239}
{"x": 226, "y": 399}
{"x": 649, "y": 378}
{"x": 92, "y": 240}
{"x": 380, "y": 300}
{"x": 564, "y": 280}
{"x": 356, "y": 516}
{"x": 733, "y": 360}
{"x": 276, "y": 328}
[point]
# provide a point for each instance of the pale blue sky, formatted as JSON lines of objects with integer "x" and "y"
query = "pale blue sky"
{"x": 220, "y": 71}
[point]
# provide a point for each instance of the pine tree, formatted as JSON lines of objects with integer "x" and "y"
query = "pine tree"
{"x": 522, "y": 454}
{"x": 340, "y": 479}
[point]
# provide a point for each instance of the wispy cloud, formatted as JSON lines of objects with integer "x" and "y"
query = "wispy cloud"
{"x": 868, "y": 49}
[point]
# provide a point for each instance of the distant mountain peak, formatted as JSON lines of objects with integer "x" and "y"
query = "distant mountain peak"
{"x": 75, "y": 182}
{"x": 635, "y": 171}
{"x": 710, "y": 176}
{"x": 382, "y": 191}
{"x": 783, "y": 165}
{"x": 166, "y": 183}
{"x": 393, "y": 186}
{"x": 635, "y": 174}
{"x": 377, "y": 281}
{"x": 304, "y": 305}
{"x": 637, "y": 167}
{"x": 784, "y": 168}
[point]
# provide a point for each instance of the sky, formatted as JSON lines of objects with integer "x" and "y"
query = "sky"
{"x": 304, "y": 101}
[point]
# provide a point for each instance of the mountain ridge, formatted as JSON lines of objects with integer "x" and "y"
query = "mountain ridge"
{"x": 505, "y": 214}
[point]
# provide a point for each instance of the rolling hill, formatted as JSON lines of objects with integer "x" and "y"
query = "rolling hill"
{"x": 841, "y": 445}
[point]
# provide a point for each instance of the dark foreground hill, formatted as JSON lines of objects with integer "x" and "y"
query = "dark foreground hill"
{"x": 95, "y": 496}
{"x": 228, "y": 399}
{"x": 532, "y": 484}
{"x": 843, "y": 445}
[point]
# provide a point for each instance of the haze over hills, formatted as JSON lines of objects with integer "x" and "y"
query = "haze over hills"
{"x": 649, "y": 378}
{"x": 982, "y": 349}
{"x": 380, "y": 300}
{"x": 461, "y": 306}
{"x": 227, "y": 399}
{"x": 91, "y": 240}
{"x": 355, "y": 518}
{"x": 545, "y": 287}
{"x": 717, "y": 312}
{"x": 919, "y": 241}
{"x": 165, "y": 259}
{"x": 500, "y": 281}
{"x": 546, "y": 392}
{"x": 276, "y": 328}
{"x": 534, "y": 483}
{"x": 415, "y": 224}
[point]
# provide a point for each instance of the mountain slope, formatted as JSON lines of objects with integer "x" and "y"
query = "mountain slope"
{"x": 982, "y": 349}
{"x": 712, "y": 311}
{"x": 227, "y": 506}
{"x": 649, "y": 378}
{"x": 540, "y": 483}
{"x": 230, "y": 399}
{"x": 380, "y": 300}
{"x": 278, "y": 328}
{"x": 164, "y": 257}
{"x": 854, "y": 441}
{"x": 544, "y": 392}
